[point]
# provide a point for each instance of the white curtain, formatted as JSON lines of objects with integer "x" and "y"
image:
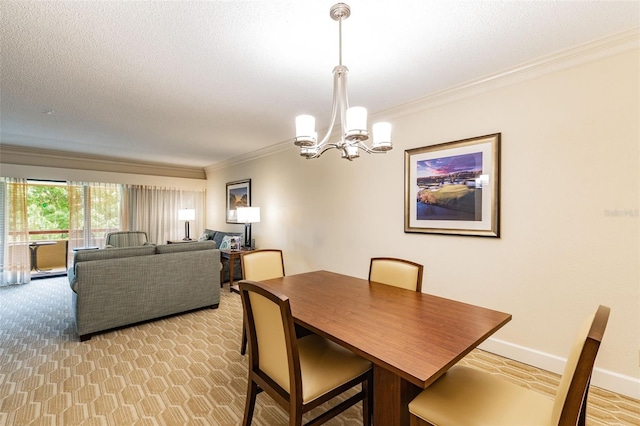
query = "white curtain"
{"x": 14, "y": 230}
{"x": 155, "y": 211}
{"x": 94, "y": 210}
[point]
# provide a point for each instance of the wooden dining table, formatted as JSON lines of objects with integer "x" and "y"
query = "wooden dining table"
{"x": 410, "y": 338}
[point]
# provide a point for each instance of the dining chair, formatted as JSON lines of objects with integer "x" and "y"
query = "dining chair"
{"x": 396, "y": 272}
{"x": 466, "y": 396}
{"x": 126, "y": 239}
{"x": 300, "y": 374}
{"x": 260, "y": 265}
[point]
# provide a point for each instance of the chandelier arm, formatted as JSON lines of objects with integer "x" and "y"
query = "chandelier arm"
{"x": 334, "y": 110}
{"x": 344, "y": 105}
{"x": 345, "y": 153}
{"x": 368, "y": 150}
{"x": 322, "y": 150}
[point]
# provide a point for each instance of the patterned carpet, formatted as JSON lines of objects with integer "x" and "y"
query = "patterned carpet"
{"x": 177, "y": 371}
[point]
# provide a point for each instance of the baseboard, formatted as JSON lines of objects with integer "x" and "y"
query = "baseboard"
{"x": 605, "y": 379}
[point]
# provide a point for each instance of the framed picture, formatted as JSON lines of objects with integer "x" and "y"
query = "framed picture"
{"x": 454, "y": 188}
{"x": 238, "y": 195}
{"x": 235, "y": 243}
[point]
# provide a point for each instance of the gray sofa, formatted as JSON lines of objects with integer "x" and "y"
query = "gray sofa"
{"x": 115, "y": 287}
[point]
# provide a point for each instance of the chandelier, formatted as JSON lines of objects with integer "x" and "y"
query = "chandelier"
{"x": 353, "y": 120}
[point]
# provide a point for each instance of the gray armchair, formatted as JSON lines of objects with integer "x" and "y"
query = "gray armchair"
{"x": 126, "y": 239}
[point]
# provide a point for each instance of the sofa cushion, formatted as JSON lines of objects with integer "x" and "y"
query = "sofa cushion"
{"x": 227, "y": 242}
{"x": 210, "y": 233}
{"x": 220, "y": 236}
{"x": 173, "y": 248}
{"x": 113, "y": 253}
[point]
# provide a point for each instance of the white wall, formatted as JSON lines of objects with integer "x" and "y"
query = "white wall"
{"x": 569, "y": 211}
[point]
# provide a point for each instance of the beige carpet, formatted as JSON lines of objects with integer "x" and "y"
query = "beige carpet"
{"x": 177, "y": 371}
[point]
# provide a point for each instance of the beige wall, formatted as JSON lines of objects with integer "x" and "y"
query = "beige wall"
{"x": 570, "y": 225}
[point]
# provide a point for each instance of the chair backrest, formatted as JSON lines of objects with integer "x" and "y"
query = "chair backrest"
{"x": 260, "y": 265}
{"x": 396, "y": 272}
{"x": 126, "y": 239}
{"x": 571, "y": 397}
{"x": 273, "y": 345}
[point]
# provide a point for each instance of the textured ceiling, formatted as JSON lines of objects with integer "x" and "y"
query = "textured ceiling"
{"x": 199, "y": 82}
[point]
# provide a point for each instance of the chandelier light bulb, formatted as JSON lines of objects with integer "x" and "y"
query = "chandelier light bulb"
{"x": 305, "y": 130}
{"x": 356, "y": 119}
{"x": 381, "y": 136}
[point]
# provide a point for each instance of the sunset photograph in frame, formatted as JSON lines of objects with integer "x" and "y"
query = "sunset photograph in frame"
{"x": 454, "y": 187}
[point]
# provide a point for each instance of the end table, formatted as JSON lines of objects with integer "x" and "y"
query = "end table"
{"x": 231, "y": 255}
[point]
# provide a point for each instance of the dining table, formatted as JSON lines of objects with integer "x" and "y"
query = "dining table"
{"x": 411, "y": 338}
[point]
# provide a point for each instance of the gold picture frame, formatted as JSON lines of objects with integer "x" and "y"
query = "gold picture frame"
{"x": 453, "y": 188}
{"x": 238, "y": 195}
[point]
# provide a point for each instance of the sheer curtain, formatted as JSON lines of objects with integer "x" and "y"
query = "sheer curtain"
{"x": 155, "y": 210}
{"x": 14, "y": 229}
{"x": 94, "y": 210}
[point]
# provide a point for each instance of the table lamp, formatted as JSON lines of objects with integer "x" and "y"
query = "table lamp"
{"x": 248, "y": 215}
{"x": 186, "y": 215}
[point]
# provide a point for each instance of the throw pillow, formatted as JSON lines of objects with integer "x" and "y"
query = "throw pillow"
{"x": 203, "y": 237}
{"x": 226, "y": 243}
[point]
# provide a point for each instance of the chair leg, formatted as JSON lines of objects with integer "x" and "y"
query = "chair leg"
{"x": 295, "y": 416}
{"x": 243, "y": 345}
{"x": 252, "y": 392}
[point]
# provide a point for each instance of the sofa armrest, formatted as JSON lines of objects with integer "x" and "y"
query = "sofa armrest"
{"x": 71, "y": 274}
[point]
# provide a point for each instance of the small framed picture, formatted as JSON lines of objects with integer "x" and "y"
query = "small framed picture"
{"x": 235, "y": 243}
{"x": 238, "y": 195}
{"x": 454, "y": 188}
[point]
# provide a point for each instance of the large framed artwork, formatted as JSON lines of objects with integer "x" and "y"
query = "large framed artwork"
{"x": 238, "y": 195}
{"x": 454, "y": 188}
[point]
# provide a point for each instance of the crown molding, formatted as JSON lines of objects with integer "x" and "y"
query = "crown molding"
{"x": 584, "y": 53}
{"x": 254, "y": 155}
{"x": 588, "y": 52}
{"x": 12, "y": 154}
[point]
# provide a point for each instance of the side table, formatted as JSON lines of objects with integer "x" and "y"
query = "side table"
{"x": 33, "y": 247}
{"x": 231, "y": 255}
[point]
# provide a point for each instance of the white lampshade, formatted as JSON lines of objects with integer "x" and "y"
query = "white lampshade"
{"x": 356, "y": 119}
{"x": 381, "y": 136}
{"x": 186, "y": 214}
{"x": 248, "y": 214}
{"x": 305, "y": 126}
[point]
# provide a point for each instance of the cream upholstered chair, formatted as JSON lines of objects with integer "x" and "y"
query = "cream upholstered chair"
{"x": 126, "y": 239}
{"x": 466, "y": 396}
{"x": 264, "y": 264}
{"x": 299, "y": 374}
{"x": 396, "y": 272}
{"x": 260, "y": 265}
